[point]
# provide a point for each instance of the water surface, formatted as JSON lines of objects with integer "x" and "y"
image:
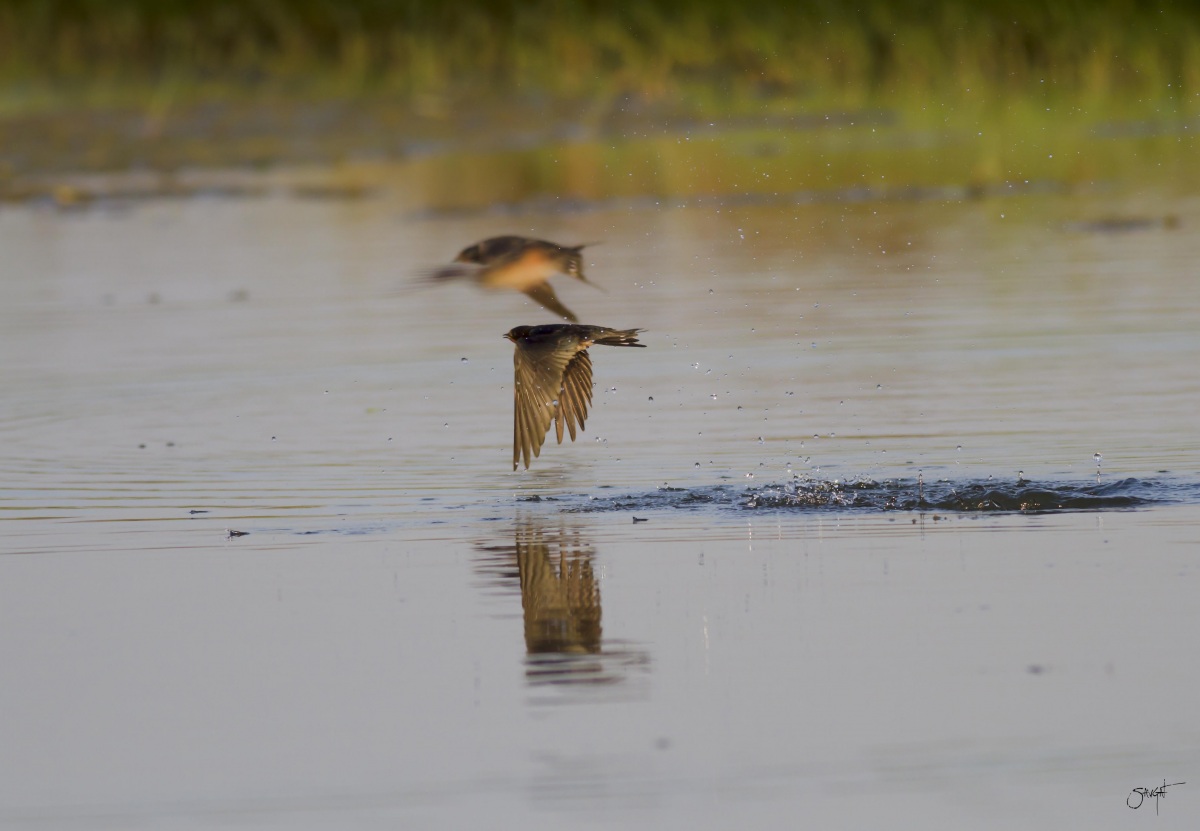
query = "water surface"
{"x": 882, "y": 571}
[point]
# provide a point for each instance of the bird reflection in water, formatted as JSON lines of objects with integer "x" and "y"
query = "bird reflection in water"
{"x": 560, "y": 596}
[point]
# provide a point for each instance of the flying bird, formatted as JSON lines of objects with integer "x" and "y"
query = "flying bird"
{"x": 553, "y": 380}
{"x": 519, "y": 263}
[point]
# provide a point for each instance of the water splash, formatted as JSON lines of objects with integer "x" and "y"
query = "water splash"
{"x": 918, "y": 494}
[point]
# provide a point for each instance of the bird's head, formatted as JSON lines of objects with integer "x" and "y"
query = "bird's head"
{"x": 517, "y": 332}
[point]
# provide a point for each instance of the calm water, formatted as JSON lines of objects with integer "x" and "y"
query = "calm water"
{"x": 834, "y": 614}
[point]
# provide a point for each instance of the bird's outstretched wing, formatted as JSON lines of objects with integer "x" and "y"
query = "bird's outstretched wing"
{"x": 537, "y": 381}
{"x": 575, "y": 396}
{"x": 543, "y": 294}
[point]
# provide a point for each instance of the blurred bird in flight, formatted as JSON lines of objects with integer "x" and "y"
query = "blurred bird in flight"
{"x": 519, "y": 263}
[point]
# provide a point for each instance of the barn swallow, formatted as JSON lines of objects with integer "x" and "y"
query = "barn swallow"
{"x": 553, "y": 380}
{"x": 525, "y": 265}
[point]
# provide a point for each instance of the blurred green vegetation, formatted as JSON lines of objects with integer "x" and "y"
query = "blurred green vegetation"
{"x": 969, "y": 94}
{"x": 707, "y": 53}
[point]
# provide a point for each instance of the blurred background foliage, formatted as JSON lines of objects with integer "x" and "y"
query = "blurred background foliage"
{"x": 707, "y": 52}
{"x": 1005, "y": 91}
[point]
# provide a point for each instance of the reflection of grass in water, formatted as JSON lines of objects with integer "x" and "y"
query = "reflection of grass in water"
{"x": 746, "y": 167}
{"x": 859, "y": 163}
{"x": 712, "y": 54}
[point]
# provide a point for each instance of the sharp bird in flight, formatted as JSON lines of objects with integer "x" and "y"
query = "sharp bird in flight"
{"x": 553, "y": 380}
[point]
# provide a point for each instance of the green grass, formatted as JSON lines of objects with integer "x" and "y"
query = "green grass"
{"x": 701, "y": 55}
